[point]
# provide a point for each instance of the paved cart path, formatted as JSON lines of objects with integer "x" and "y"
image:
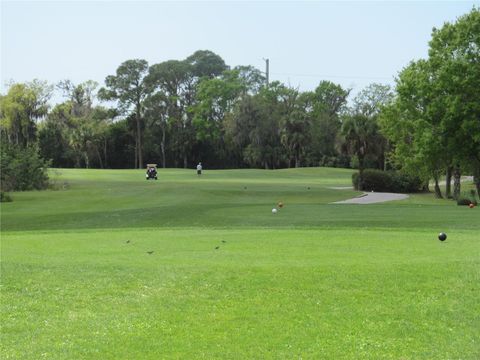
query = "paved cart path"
{"x": 379, "y": 197}
{"x": 373, "y": 198}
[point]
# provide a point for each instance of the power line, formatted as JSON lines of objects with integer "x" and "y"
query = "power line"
{"x": 336, "y": 76}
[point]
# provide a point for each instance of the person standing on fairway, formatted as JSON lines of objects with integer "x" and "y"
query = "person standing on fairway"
{"x": 199, "y": 169}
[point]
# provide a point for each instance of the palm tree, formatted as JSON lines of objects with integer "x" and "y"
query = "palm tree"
{"x": 361, "y": 138}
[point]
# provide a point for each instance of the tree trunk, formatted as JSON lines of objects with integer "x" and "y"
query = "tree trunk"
{"x": 360, "y": 172}
{"x": 77, "y": 161}
{"x": 297, "y": 162}
{"x": 456, "y": 182}
{"x": 136, "y": 152}
{"x": 476, "y": 180}
{"x": 426, "y": 186}
{"x": 162, "y": 146}
{"x": 139, "y": 143}
{"x": 105, "y": 152}
{"x": 99, "y": 156}
{"x": 448, "y": 181}
{"x": 185, "y": 162}
{"x": 87, "y": 162}
{"x": 438, "y": 191}
{"x": 385, "y": 156}
{"x": 476, "y": 177}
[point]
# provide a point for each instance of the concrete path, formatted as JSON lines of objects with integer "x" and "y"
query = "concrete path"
{"x": 379, "y": 197}
{"x": 373, "y": 198}
{"x": 341, "y": 187}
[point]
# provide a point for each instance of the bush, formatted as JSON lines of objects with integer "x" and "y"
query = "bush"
{"x": 375, "y": 180}
{"x": 466, "y": 201}
{"x": 386, "y": 181}
{"x": 355, "y": 178}
{"x": 406, "y": 183}
{"x": 22, "y": 169}
{"x": 4, "y": 197}
{"x": 467, "y": 198}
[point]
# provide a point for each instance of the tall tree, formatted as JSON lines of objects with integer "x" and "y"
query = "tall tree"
{"x": 369, "y": 102}
{"x": 81, "y": 96}
{"x": 361, "y": 135}
{"x": 215, "y": 102}
{"x": 157, "y": 115}
{"x": 439, "y": 102}
{"x": 53, "y": 136}
{"x": 413, "y": 124}
{"x": 256, "y": 125}
{"x": 295, "y": 135}
{"x": 372, "y": 98}
{"x": 454, "y": 57}
{"x": 324, "y": 107}
{"x": 129, "y": 88}
{"x": 205, "y": 63}
{"x": 172, "y": 83}
{"x": 21, "y": 108}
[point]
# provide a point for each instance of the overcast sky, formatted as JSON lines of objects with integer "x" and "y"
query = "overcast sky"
{"x": 351, "y": 43}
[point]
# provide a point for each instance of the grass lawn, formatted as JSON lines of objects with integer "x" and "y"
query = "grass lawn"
{"x": 227, "y": 279}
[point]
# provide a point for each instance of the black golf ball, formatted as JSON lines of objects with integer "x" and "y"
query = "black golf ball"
{"x": 442, "y": 236}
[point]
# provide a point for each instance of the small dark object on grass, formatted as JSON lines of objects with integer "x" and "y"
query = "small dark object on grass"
{"x": 128, "y": 241}
{"x": 245, "y": 188}
{"x": 149, "y": 252}
{"x": 442, "y": 236}
{"x": 217, "y": 247}
{"x": 223, "y": 241}
{"x": 308, "y": 188}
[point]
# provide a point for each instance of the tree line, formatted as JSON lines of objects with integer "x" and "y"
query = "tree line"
{"x": 179, "y": 112}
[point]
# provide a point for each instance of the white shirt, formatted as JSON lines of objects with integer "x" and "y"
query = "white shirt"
{"x": 199, "y": 167}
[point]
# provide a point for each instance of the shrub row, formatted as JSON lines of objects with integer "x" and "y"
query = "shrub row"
{"x": 22, "y": 169}
{"x": 387, "y": 181}
{"x": 468, "y": 198}
{"x": 4, "y": 197}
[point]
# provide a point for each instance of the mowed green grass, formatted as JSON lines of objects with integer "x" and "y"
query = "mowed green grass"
{"x": 315, "y": 280}
{"x": 230, "y": 198}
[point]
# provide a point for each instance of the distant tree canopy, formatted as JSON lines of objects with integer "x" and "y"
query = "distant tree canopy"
{"x": 179, "y": 112}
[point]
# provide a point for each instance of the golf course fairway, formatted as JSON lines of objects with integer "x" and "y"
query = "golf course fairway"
{"x": 107, "y": 265}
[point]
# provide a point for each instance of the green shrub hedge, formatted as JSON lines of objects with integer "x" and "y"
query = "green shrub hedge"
{"x": 467, "y": 198}
{"x": 466, "y": 201}
{"x": 22, "y": 169}
{"x": 4, "y": 197}
{"x": 386, "y": 181}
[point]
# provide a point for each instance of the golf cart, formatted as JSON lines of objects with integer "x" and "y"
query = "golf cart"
{"x": 151, "y": 172}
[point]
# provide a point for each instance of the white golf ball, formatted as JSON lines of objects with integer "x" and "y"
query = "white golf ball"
{"x": 274, "y": 211}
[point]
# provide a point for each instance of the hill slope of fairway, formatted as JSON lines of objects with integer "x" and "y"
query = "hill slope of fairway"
{"x": 240, "y": 198}
{"x": 116, "y": 267}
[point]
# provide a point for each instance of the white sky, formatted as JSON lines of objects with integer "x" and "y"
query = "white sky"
{"x": 351, "y": 43}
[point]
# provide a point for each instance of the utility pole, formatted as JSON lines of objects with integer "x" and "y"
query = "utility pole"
{"x": 267, "y": 63}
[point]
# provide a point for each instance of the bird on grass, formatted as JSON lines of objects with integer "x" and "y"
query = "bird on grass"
{"x": 149, "y": 252}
